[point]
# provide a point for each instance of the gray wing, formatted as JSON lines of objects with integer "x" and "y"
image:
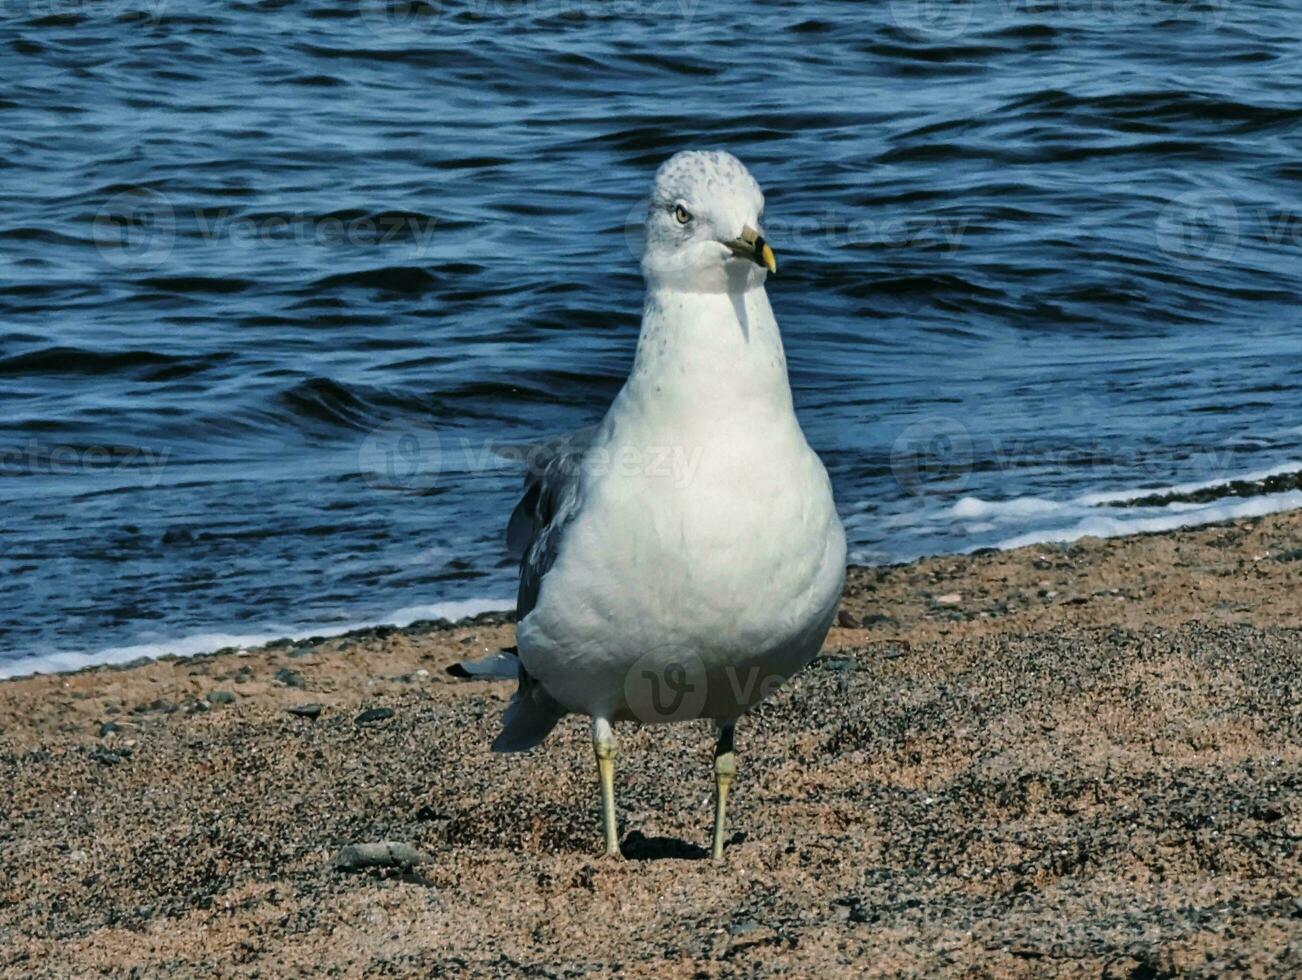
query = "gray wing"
{"x": 549, "y": 503}
{"x": 550, "y": 500}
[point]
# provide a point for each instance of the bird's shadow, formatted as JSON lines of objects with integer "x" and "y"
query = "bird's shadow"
{"x": 637, "y": 846}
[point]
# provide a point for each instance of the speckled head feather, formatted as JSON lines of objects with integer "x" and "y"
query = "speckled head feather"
{"x": 705, "y": 175}
{"x": 701, "y": 200}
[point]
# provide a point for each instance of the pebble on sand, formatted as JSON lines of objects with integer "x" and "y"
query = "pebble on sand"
{"x": 311, "y": 710}
{"x": 381, "y": 854}
{"x": 371, "y": 715}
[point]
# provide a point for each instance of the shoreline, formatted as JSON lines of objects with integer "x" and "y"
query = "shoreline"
{"x": 506, "y": 615}
{"x": 1062, "y": 758}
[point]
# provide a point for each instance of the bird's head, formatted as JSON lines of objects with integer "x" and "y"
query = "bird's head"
{"x": 703, "y": 229}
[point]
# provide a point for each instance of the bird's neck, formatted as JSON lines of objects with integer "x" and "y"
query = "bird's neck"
{"x": 710, "y": 354}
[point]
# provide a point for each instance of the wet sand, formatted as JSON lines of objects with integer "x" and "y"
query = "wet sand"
{"x": 1062, "y": 760}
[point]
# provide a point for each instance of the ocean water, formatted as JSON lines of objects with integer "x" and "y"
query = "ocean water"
{"x": 276, "y": 276}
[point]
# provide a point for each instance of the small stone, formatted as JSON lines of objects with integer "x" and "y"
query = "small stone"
{"x": 371, "y": 715}
{"x": 108, "y": 728}
{"x": 290, "y": 678}
{"x": 850, "y": 909}
{"x": 221, "y": 697}
{"x": 312, "y": 710}
{"x": 108, "y": 757}
{"x": 949, "y": 599}
{"x": 382, "y": 854}
{"x": 743, "y": 927}
{"x": 848, "y": 620}
{"x": 839, "y": 663}
{"x": 160, "y": 705}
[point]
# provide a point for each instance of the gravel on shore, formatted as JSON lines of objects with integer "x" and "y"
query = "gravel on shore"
{"x": 1062, "y": 760}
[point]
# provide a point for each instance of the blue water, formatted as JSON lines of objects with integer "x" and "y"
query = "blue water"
{"x": 275, "y": 276}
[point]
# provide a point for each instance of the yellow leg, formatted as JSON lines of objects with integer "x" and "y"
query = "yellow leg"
{"x": 725, "y": 768}
{"x": 603, "y": 744}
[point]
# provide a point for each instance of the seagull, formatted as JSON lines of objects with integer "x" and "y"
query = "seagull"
{"x": 684, "y": 557}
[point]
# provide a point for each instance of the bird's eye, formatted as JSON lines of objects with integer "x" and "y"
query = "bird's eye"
{"x": 681, "y": 214}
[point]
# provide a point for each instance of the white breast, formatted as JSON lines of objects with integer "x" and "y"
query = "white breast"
{"x": 707, "y": 539}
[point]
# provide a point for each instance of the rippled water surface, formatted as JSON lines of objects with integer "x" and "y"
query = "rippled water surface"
{"x": 274, "y": 277}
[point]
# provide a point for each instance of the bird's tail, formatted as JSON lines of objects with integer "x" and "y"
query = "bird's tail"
{"x": 501, "y": 665}
{"x": 529, "y": 718}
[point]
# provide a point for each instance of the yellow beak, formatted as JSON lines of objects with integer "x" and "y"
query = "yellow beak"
{"x": 751, "y": 245}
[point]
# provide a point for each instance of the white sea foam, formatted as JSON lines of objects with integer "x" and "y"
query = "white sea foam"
{"x": 1175, "y": 516}
{"x": 188, "y": 646}
{"x": 974, "y": 508}
{"x": 911, "y": 529}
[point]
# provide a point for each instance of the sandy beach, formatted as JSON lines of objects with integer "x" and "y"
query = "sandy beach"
{"x": 1063, "y": 760}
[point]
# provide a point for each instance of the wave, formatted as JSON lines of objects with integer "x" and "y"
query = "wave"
{"x": 99, "y": 363}
{"x": 323, "y": 400}
{"x": 406, "y": 280}
{"x": 1186, "y": 108}
{"x": 198, "y": 643}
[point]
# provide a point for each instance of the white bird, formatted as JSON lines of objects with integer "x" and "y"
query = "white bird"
{"x": 684, "y": 557}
